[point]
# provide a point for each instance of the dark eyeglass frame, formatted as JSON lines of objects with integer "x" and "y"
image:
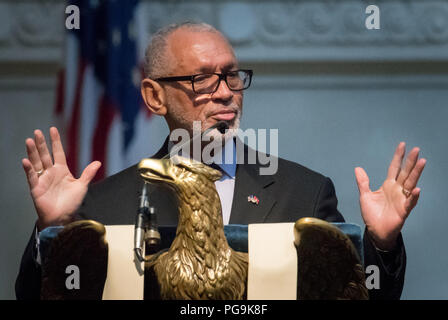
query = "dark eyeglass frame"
{"x": 222, "y": 76}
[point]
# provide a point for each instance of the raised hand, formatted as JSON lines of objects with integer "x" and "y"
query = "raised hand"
{"x": 55, "y": 192}
{"x": 384, "y": 211}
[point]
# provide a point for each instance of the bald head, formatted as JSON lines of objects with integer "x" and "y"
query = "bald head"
{"x": 159, "y": 58}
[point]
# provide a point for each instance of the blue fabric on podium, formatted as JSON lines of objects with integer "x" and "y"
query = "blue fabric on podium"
{"x": 353, "y": 231}
{"x": 236, "y": 234}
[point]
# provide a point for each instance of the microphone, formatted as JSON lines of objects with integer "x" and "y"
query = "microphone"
{"x": 141, "y": 221}
{"x": 145, "y": 227}
{"x": 152, "y": 236}
{"x": 222, "y": 126}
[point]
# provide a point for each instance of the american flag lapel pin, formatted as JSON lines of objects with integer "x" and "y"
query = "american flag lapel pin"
{"x": 253, "y": 199}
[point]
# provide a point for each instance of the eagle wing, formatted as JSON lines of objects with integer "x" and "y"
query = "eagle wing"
{"x": 81, "y": 244}
{"x": 329, "y": 267}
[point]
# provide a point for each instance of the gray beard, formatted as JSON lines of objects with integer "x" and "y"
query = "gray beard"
{"x": 229, "y": 134}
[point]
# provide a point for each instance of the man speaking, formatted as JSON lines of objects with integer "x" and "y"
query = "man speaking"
{"x": 192, "y": 74}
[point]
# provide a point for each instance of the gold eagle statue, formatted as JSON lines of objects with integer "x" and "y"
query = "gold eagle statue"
{"x": 200, "y": 263}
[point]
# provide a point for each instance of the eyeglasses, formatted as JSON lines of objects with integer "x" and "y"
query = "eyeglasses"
{"x": 237, "y": 80}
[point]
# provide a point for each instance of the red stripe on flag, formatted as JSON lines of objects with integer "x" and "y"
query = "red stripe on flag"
{"x": 106, "y": 115}
{"x": 74, "y": 125}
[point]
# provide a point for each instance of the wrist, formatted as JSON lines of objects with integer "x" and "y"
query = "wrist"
{"x": 42, "y": 224}
{"x": 383, "y": 243}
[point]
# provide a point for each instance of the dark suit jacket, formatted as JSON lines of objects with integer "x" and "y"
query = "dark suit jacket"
{"x": 290, "y": 194}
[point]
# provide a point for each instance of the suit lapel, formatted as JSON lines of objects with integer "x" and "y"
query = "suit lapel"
{"x": 249, "y": 182}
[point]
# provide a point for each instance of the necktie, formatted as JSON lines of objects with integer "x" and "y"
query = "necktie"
{"x": 225, "y": 188}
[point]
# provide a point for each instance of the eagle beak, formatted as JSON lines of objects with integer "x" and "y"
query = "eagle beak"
{"x": 155, "y": 170}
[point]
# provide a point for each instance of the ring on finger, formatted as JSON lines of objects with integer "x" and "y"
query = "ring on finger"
{"x": 40, "y": 172}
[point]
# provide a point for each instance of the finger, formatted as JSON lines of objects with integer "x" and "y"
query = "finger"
{"x": 362, "y": 180}
{"x": 411, "y": 182}
{"x": 33, "y": 154}
{"x": 41, "y": 145}
{"x": 395, "y": 164}
{"x": 31, "y": 174}
{"x": 56, "y": 146}
{"x": 90, "y": 172}
{"x": 411, "y": 202}
{"x": 411, "y": 160}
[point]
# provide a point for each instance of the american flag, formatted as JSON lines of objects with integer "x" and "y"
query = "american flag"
{"x": 98, "y": 95}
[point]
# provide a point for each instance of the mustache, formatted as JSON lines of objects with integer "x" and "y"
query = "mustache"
{"x": 231, "y": 107}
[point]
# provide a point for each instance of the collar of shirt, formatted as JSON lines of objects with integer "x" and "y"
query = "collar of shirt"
{"x": 225, "y": 158}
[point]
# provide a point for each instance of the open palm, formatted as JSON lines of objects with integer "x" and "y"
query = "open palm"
{"x": 385, "y": 210}
{"x": 55, "y": 192}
